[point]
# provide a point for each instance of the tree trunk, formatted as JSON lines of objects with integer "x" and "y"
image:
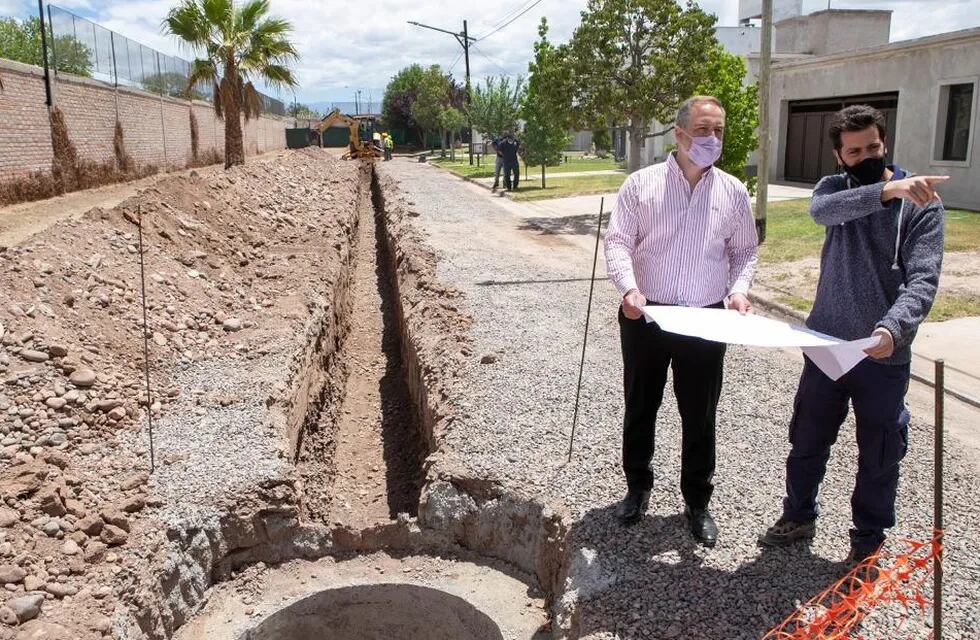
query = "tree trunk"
{"x": 234, "y": 139}
{"x": 232, "y": 111}
{"x": 542, "y": 176}
{"x": 452, "y": 146}
{"x": 442, "y": 142}
{"x": 637, "y": 133}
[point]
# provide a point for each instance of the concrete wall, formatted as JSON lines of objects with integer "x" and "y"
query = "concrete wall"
{"x": 830, "y": 32}
{"x": 752, "y": 9}
{"x": 739, "y": 40}
{"x": 156, "y": 130}
{"x": 916, "y": 70}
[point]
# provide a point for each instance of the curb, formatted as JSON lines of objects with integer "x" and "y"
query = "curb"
{"x": 777, "y": 308}
{"x": 476, "y": 181}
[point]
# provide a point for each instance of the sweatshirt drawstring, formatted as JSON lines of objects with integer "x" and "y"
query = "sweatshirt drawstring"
{"x": 898, "y": 234}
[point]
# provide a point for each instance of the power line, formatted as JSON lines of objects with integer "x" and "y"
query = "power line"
{"x": 455, "y": 62}
{"x": 491, "y": 61}
{"x": 507, "y": 16}
{"x": 511, "y": 21}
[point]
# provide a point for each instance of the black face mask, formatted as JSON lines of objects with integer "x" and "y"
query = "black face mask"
{"x": 868, "y": 171}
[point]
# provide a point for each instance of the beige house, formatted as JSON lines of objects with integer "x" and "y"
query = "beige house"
{"x": 927, "y": 88}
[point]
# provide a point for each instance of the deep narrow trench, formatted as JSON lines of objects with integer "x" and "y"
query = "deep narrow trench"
{"x": 377, "y": 449}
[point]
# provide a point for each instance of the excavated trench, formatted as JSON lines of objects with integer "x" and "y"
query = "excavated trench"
{"x": 361, "y": 455}
{"x": 376, "y": 534}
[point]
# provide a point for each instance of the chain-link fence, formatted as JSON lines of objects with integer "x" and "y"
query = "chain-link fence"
{"x": 81, "y": 47}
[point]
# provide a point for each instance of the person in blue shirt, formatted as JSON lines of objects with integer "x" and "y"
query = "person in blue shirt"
{"x": 879, "y": 271}
{"x": 509, "y": 149}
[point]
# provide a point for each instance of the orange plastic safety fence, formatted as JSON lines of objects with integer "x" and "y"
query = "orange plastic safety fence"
{"x": 880, "y": 580}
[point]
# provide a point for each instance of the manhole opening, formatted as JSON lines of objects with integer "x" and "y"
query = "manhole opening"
{"x": 378, "y": 612}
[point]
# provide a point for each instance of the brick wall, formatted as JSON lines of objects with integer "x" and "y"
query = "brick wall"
{"x": 25, "y": 133}
{"x": 157, "y": 131}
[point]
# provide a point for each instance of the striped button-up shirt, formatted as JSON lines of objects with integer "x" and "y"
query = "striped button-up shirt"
{"x": 681, "y": 246}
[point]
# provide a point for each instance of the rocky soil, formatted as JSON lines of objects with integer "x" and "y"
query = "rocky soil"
{"x": 237, "y": 263}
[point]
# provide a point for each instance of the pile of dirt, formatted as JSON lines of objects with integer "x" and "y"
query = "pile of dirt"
{"x": 232, "y": 262}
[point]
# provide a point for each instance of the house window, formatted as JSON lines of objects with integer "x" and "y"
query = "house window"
{"x": 958, "y": 104}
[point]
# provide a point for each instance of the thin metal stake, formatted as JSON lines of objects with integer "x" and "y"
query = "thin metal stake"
{"x": 937, "y": 605}
{"x": 585, "y": 338}
{"x": 146, "y": 340}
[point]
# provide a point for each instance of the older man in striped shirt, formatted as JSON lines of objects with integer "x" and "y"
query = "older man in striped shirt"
{"x": 681, "y": 233}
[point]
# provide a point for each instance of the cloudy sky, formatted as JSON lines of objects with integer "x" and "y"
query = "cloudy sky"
{"x": 358, "y": 45}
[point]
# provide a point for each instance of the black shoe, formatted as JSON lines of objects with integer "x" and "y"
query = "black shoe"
{"x": 785, "y": 532}
{"x": 702, "y": 526}
{"x": 633, "y": 506}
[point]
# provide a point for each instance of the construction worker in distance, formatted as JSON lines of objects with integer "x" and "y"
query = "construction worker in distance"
{"x": 389, "y": 145}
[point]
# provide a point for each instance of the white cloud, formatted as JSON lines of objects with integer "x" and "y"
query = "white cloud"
{"x": 361, "y": 45}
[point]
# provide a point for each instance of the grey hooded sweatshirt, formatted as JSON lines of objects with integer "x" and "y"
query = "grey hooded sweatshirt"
{"x": 880, "y": 262}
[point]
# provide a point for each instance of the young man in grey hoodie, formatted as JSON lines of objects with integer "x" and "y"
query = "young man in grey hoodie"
{"x": 879, "y": 271}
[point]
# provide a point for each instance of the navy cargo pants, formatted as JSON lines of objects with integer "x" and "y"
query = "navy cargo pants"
{"x": 877, "y": 392}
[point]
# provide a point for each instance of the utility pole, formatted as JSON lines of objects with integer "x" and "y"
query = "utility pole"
{"x": 765, "y": 66}
{"x": 44, "y": 52}
{"x": 464, "y": 39}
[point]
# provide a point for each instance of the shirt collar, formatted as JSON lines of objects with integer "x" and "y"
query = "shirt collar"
{"x": 675, "y": 168}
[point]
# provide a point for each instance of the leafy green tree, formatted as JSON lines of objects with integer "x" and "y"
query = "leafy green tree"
{"x": 602, "y": 140}
{"x": 433, "y": 98}
{"x": 725, "y": 81}
{"x": 495, "y": 105}
{"x": 239, "y": 43}
{"x": 545, "y": 109}
{"x": 451, "y": 121}
{"x": 400, "y": 94}
{"x": 21, "y": 41}
{"x": 636, "y": 61}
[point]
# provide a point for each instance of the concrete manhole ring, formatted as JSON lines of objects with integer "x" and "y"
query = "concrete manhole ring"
{"x": 378, "y": 612}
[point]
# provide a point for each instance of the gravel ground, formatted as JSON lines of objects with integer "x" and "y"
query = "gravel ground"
{"x": 527, "y": 292}
{"x": 199, "y": 444}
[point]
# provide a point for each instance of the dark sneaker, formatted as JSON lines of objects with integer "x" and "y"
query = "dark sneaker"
{"x": 863, "y": 566}
{"x": 859, "y": 555}
{"x": 786, "y": 532}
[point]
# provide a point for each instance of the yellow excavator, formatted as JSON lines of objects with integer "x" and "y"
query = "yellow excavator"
{"x": 361, "y": 133}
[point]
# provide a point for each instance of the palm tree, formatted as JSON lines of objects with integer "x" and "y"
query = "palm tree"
{"x": 239, "y": 43}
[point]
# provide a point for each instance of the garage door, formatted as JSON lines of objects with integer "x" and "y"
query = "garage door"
{"x": 809, "y": 151}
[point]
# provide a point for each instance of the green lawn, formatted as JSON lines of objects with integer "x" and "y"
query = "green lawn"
{"x": 576, "y": 163}
{"x": 558, "y": 187}
{"x": 953, "y": 305}
{"x": 791, "y": 234}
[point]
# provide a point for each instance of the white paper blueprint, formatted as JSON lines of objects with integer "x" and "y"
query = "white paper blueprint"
{"x": 834, "y": 357}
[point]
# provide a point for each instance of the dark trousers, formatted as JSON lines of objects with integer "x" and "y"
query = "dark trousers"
{"x": 877, "y": 392}
{"x": 512, "y": 175}
{"x": 697, "y": 366}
